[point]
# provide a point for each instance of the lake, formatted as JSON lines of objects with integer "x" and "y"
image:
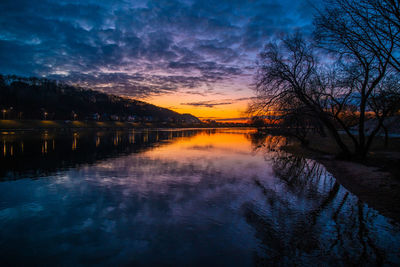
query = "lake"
{"x": 226, "y": 197}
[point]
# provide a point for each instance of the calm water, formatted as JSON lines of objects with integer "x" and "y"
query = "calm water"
{"x": 180, "y": 197}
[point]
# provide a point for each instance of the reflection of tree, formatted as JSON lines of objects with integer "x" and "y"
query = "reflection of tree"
{"x": 308, "y": 218}
{"x": 297, "y": 172}
{"x": 260, "y": 140}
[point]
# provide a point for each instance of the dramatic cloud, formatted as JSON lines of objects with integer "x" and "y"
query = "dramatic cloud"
{"x": 142, "y": 48}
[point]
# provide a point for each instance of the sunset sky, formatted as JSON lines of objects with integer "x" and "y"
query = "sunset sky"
{"x": 193, "y": 56}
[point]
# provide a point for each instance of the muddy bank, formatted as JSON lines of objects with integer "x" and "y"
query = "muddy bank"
{"x": 373, "y": 186}
{"x": 375, "y": 181}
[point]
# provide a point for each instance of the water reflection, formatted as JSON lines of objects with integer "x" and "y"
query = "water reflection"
{"x": 311, "y": 218}
{"x": 192, "y": 197}
{"x": 38, "y": 154}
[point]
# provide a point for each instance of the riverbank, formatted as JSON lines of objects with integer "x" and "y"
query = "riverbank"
{"x": 376, "y": 181}
{"x": 15, "y": 125}
{"x": 48, "y": 124}
{"x": 26, "y": 125}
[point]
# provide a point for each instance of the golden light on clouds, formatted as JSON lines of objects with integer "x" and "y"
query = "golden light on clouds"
{"x": 218, "y": 108}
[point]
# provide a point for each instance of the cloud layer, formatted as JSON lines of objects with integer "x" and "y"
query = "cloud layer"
{"x": 143, "y": 48}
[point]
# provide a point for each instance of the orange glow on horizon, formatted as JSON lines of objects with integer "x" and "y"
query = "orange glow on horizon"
{"x": 230, "y": 109}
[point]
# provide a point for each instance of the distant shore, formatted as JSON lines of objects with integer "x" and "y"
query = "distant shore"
{"x": 49, "y": 124}
{"x": 376, "y": 181}
{"x": 25, "y": 125}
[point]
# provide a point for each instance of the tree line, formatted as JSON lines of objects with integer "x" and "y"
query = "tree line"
{"x": 43, "y": 99}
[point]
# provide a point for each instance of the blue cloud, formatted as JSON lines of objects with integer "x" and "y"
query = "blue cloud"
{"x": 141, "y": 48}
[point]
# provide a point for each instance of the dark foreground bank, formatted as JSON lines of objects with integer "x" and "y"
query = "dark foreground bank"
{"x": 376, "y": 180}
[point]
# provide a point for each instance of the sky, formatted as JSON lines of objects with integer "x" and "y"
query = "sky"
{"x": 192, "y": 56}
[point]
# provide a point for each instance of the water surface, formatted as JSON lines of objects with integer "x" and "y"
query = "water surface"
{"x": 179, "y": 197}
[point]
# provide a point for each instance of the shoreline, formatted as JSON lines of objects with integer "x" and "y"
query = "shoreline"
{"x": 377, "y": 188}
{"x": 33, "y": 125}
{"x": 37, "y": 125}
{"x": 372, "y": 182}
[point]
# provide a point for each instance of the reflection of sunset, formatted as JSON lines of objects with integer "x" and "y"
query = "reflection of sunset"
{"x": 205, "y": 143}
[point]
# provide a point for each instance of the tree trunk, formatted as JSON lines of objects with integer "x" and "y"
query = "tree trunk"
{"x": 385, "y": 129}
{"x": 361, "y": 150}
{"x": 345, "y": 152}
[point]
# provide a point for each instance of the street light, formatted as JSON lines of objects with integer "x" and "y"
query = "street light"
{"x": 45, "y": 115}
{"x": 4, "y": 111}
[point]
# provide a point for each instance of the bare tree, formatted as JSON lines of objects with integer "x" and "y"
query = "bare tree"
{"x": 362, "y": 26}
{"x": 384, "y": 103}
{"x": 292, "y": 81}
{"x": 289, "y": 72}
{"x": 366, "y": 36}
{"x": 346, "y": 89}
